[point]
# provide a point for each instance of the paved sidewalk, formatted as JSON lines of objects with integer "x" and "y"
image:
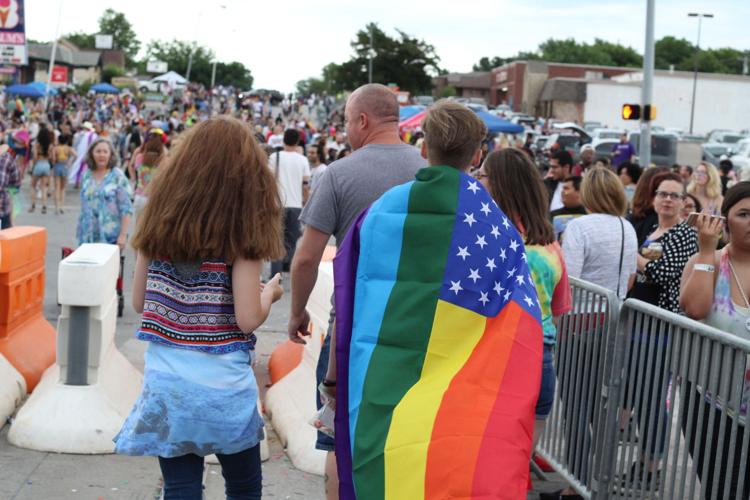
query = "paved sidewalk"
{"x": 31, "y": 475}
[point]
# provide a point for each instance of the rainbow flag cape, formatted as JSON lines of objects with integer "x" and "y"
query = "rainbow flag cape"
{"x": 439, "y": 347}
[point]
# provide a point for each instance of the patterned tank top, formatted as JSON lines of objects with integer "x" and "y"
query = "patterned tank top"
{"x": 727, "y": 316}
{"x": 191, "y": 306}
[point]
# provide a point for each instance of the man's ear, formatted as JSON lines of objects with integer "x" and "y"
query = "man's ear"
{"x": 476, "y": 160}
{"x": 423, "y": 149}
{"x": 364, "y": 120}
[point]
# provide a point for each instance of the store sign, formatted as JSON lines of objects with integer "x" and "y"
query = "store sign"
{"x": 60, "y": 74}
{"x": 13, "y": 48}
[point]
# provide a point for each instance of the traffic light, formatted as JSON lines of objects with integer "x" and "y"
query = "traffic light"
{"x": 631, "y": 111}
{"x": 649, "y": 112}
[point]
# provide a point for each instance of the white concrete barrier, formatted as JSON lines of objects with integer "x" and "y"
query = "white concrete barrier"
{"x": 290, "y": 402}
{"x": 12, "y": 390}
{"x": 83, "y": 399}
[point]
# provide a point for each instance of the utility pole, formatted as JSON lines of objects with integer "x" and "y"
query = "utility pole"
{"x": 52, "y": 56}
{"x": 369, "y": 72}
{"x": 644, "y": 146}
{"x": 695, "y": 63}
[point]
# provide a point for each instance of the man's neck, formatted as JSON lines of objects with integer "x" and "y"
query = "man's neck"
{"x": 290, "y": 149}
{"x": 383, "y": 136}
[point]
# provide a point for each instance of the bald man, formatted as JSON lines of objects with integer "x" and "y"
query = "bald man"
{"x": 380, "y": 161}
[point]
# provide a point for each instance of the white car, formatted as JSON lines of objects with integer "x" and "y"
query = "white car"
{"x": 741, "y": 157}
{"x": 606, "y": 133}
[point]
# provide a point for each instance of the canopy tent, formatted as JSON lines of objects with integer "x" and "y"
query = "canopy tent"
{"x": 171, "y": 77}
{"x": 412, "y": 122}
{"x": 105, "y": 88}
{"x": 41, "y": 86}
{"x": 23, "y": 90}
{"x": 406, "y": 112}
{"x": 495, "y": 124}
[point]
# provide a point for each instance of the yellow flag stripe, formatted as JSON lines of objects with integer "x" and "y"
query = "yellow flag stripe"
{"x": 455, "y": 333}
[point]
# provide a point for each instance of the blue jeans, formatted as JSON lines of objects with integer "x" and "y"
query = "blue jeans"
{"x": 183, "y": 476}
{"x": 324, "y": 441}
{"x": 547, "y": 391}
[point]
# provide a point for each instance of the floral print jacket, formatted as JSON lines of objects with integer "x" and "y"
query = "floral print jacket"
{"x": 103, "y": 205}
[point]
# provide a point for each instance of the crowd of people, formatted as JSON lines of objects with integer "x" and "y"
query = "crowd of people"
{"x": 287, "y": 185}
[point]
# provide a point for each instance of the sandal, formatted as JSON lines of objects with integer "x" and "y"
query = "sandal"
{"x": 31, "y": 210}
{"x": 44, "y": 210}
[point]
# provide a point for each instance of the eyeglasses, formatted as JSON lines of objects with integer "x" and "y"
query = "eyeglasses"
{"x": 663, "y": 195}
{"x": 700, "y": 174}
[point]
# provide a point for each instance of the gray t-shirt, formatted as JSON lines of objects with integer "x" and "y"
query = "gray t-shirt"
{"x": 351, "y": 184}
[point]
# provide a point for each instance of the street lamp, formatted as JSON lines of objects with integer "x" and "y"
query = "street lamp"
{"x": 695, "y": 62}
{"x": 192, "y": 51}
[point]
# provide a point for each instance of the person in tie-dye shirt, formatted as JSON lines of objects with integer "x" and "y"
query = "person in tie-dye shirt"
{"x": 517, "y": 187}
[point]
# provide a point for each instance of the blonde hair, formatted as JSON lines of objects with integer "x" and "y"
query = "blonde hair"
{"x": 713, "y": 188}
{"x": 452, "y": 133}
{"x": 602, "y": 193}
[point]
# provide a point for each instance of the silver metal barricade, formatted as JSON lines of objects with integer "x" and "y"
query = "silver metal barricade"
{"x": 649, "y": 404}
{"x": 585, "y": 349}
{"x": 679, "y": 428}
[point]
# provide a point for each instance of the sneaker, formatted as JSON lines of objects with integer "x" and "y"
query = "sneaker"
{"x": 639, "y": 480}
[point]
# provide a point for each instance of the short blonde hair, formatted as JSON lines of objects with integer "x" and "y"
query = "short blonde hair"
{"x": 713, "y": 188}
{"x": 452, "y": 133}
{"x": 603, "y": 193}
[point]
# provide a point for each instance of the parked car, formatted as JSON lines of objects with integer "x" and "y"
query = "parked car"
{"x": 606, "y": 133}
{"x": 741, "y": 156}
{"x": 713, "y": 151}
{"x": 726, "y": 137}
{"x": 592, "y": 126}
{"x": 604, "y": 146}
{"x": 663, "y": 147}
{"x": 424, "y": 100}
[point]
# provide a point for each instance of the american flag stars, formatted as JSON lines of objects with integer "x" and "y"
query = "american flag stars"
{"x": 481, "y": 274}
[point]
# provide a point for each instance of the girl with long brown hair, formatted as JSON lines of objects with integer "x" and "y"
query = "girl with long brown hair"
{"x": 517, "y": 187}
{"x": 197, "y": 283}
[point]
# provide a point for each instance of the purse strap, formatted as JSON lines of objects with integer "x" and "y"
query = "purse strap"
{"x": 622, "y": 249}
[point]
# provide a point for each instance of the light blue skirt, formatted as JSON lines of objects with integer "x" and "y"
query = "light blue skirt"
{"x": 193, "y": 402}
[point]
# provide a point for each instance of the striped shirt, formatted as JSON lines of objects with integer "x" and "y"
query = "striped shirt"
{"x": 192, "y": 312}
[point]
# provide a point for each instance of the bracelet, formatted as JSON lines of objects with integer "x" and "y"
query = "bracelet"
{"x": 704, "y": 267}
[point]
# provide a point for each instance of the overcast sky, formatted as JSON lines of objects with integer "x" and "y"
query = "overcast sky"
{"x": 283, "y": 42}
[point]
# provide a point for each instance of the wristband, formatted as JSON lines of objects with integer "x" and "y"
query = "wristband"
{"x": 704, "y": 267}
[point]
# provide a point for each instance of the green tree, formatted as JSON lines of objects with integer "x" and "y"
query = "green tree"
{"x": 673, "y": 51}
{"x": 448, "y": 91}
{"x": 404, "y": 60}
{"x": 116, "y": 24}
{"x": 487, "y": 64}
{"x": 177, "y": 54}
{"x": 310, "y": 86}
{"x": 109, "y": 71}
{"x": 234, "y": 74}
{"x": 81, "y": 40}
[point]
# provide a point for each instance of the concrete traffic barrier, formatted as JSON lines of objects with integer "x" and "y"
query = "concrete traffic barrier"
{"x": 290, "y": 401}
{"x": 83, "y": 399}
{"x": 12, "y": 390}
{"x": 27, "y": 339}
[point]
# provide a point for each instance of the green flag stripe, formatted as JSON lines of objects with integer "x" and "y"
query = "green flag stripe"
{"x": 396, "y": 362}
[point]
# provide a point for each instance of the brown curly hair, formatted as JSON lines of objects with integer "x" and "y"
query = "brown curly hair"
{"x": 213, "y": 196}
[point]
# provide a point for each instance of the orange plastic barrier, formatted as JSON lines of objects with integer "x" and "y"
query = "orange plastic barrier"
{"x": 27, "y": 339}
{"x": 287, "y": 355}
{"x": 284, "y": 359}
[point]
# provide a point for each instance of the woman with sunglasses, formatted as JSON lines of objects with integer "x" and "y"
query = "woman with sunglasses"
{"x": 661, "y": 259}
{"x": 705, "y": 185}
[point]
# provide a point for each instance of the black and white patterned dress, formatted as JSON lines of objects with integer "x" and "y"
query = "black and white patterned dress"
{"x": 678, "y": 245}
